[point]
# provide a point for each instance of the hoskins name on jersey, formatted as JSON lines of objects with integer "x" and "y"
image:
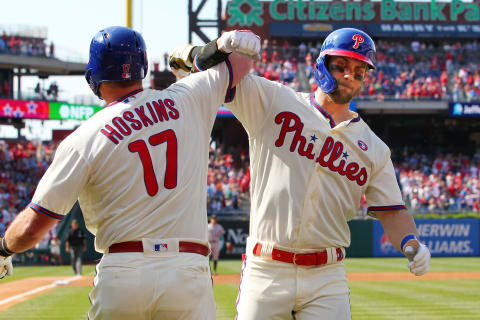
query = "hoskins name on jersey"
{"x": 331, "y": 150}
{"x": 143, "y": 116}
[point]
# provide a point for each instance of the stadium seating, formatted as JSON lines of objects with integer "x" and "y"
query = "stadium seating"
{"x": 420, "y": 71}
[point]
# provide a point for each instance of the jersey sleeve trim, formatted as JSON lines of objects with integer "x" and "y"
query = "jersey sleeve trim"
{"x": 230, "y": 95}
{"x": 195, "y": 65}
{"x": 387, "y": 208}
{"x": 46, "y": 212}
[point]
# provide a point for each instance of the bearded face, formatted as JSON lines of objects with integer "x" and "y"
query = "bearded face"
{"x": 349, "y": 74}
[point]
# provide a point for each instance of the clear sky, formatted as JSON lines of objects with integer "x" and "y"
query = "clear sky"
{"x": 71, "y": 24}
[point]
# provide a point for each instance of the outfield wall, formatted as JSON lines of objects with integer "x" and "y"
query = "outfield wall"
{"x": 444, "y": 237}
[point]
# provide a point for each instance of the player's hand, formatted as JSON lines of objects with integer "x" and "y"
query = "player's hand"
{"x": 6, "y": 267}
{"x": 243, "y": 42}
{"x": 419, "y": 257}
{"x": 180, "y": 61}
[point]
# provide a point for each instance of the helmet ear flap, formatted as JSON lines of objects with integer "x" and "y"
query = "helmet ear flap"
{"x": 323, "y": 77}
{"x": 92, "y": 84}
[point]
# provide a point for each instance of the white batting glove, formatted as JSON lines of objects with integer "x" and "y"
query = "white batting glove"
{"x": 6, "y": 267}
{"x": 420, "y": 262}
{"x": 243, "y": 42}
{"x": 180, "y": 61}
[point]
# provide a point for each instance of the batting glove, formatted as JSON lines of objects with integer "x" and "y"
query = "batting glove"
{"x": 420, "y": 262}
{"x": 6, "y": 267}
{"x": 243, "y": 42}
{"x": 180, "y": 60}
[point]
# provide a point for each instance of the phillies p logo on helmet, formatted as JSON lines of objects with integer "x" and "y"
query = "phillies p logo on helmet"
{"x": 344, "y": 42}
{"x": 358, "y": 38}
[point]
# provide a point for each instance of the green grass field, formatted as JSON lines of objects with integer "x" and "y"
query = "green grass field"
{"x": 389, "y": 300}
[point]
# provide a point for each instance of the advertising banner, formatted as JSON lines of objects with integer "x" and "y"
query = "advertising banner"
{"x": 464, "y": 109}
{"x": 304, "y": 30}
{"x": 66, "y": 111}
{"x": 389, "y": 18}
{"x": 423, "y": 30}
{"x": 23, "y": 109}
{"x": 444, "y": 238}
{"x": 236, "y": 232}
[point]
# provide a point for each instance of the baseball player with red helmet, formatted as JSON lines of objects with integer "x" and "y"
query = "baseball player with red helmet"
{"x": 311, "y": 161}
{"x": 138, "y": 169}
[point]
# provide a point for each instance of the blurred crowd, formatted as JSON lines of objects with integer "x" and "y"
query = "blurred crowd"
{"x": 430, "y": 182}
{"x": 228, "y": 181}
{"x": 405, "y": 70}
{"x": 25, "y": 46}
{"x": 440, "y": 183}
{"x": 22, "y": 164}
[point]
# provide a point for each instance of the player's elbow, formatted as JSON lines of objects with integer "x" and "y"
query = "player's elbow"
{"x": 241, "y": 66}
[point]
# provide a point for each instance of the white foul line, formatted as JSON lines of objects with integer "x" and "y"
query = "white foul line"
{"x": 48, "y": 286}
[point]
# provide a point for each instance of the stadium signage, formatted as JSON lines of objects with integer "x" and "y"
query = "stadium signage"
{"x": 448, "y": 237}
{"x": 23, "y": 109}
{"x": 424, "y": 30}
{"x": 465, "y": 109}
{"x": 65, "y": 111}
{"x": 236, "y": 232}
{"x": 257, "y": 13}
{"x": 411, "y": 30}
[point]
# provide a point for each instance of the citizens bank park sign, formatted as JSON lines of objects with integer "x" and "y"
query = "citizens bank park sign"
{"x": 382, "y": 18}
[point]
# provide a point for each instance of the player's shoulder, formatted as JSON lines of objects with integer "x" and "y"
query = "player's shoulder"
{"x": 367, "y": 138}
{"x": 304, "y": 97}
{"x": 269, "y": 87}
{"x": 85, "y": 137}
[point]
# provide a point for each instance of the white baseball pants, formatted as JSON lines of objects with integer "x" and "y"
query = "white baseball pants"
{"x": 273, "y": 290}
{"x": 132, "y": 286}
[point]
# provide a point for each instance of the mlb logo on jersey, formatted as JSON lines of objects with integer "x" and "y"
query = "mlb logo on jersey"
{"x": 162, "y": 247}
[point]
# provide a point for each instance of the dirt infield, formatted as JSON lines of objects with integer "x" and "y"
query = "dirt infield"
{"x": 15, "y": 292}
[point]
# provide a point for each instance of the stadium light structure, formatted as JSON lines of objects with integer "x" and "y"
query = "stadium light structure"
{"x": 196, "y": 24}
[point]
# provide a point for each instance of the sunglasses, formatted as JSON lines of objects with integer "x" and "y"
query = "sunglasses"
{"x": 336, "y": 67}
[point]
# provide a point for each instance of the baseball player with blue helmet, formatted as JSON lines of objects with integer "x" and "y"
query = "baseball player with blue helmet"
{"x": 312, "y": 159}
{"x": 138, "y": 169}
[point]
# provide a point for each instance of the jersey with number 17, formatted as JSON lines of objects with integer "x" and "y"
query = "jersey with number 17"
{"x": 139, "y": 166}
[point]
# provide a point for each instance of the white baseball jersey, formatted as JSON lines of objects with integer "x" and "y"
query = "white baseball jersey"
{"x": 214, "y": 232}
{"x": 309, "y": 173}
{"x": 139, "y": 167}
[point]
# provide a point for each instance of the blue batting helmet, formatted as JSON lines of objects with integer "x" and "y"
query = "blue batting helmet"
{"x": 116, "y": 54}
{"x": 345, "y": 42}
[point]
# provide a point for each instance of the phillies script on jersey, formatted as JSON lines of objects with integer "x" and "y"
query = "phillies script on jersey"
{"x": 331, "y": 151}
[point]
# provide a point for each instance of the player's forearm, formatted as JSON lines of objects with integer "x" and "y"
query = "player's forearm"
{"x": 27, "y": 230}
{"x": 211, "y": 54}
{"x": 397, "y": 224}
{"x": 207, "y": 56}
